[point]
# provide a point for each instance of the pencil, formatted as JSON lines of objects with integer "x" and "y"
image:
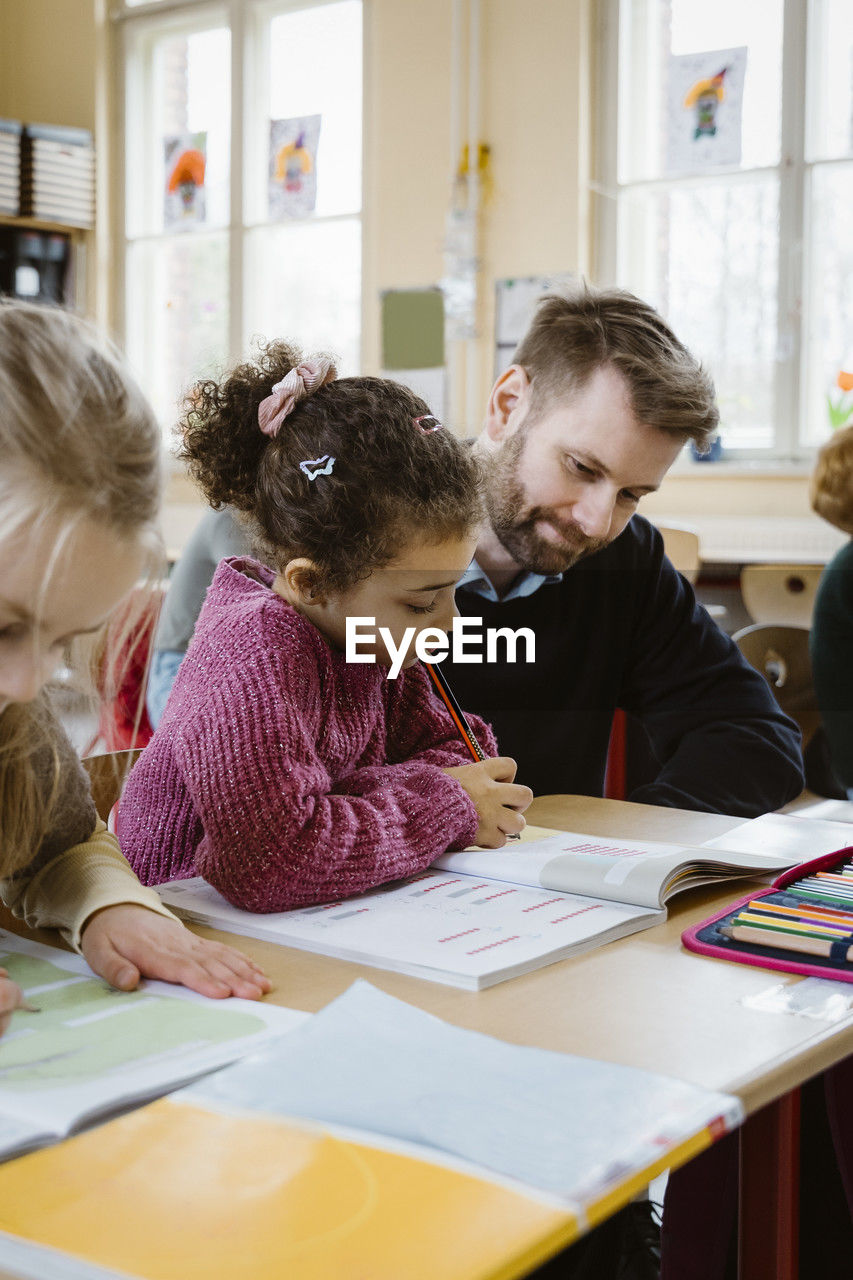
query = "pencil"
{"x": 783, "y": 942}
{"x": 804, "y": 911}
{"x": 812, "y": 928}
{"x": 458, "y": 717}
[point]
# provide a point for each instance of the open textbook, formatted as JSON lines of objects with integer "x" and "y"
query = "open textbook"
{"x": 87, "y": 1050}
{"x": 374, "y": 1140}
{"x": 481, "y": 916}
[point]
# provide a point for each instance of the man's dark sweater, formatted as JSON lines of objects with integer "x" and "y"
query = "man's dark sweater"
{"x": 623, "y": 629}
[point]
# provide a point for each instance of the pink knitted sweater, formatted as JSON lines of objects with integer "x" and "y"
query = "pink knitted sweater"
{"x": 285, "y": 775}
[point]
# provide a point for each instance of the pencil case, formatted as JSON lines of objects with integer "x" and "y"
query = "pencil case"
{"x": 707, "y": 940}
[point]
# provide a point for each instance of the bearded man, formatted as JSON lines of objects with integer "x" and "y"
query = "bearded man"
{"x": 598, "y": 403}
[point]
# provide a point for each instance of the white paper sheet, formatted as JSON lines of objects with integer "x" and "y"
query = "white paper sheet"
{"x": 566, "y": 1125}
{"x": 784, "y": 836}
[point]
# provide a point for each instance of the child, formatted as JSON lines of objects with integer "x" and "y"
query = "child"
{"x": 79, "y": 489}
{"x": 280, "y": 772}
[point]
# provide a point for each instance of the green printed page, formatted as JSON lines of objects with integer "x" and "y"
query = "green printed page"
{"x": 89, "y": 1049}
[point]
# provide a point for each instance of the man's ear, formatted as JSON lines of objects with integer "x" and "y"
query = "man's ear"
{"x": 301, "y": 577}
{"x": 510, "y": 392}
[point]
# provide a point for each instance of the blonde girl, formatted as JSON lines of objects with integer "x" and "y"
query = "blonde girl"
{"x": 79, "y": 492}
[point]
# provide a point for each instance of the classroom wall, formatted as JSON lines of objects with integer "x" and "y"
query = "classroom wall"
{"x": 47, "y": 61}
{"x": 536, "y": 116}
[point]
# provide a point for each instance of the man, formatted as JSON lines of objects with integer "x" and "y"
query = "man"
{"x": 586, "y": 421}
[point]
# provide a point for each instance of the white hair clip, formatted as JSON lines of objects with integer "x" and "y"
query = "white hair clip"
{"x": 314, "y": 467}
{"x": 427, "y": 423}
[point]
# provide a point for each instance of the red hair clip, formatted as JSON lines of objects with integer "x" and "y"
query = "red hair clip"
{"x": 423, "y": 423}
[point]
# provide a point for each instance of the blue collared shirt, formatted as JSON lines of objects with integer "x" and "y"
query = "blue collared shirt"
{"x": 476, "y": 581}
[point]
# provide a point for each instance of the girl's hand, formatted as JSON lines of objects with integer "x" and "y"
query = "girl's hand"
{"x": 127, "y": 942}
{"x": 498, "y": 800}
{"x": 11, "y": 998}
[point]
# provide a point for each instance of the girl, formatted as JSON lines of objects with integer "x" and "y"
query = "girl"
{"x": 79, "y": 487}
{"x": 280, "y": 772}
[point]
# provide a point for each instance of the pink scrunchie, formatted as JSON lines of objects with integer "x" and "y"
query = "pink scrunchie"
{"x": 297, "y": 385}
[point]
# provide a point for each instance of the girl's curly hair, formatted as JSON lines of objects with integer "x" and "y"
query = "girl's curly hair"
{"x": 391, "y": 483}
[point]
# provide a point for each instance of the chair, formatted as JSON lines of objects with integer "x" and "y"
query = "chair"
{"x": 121, "y": 663}
{"x": 681, "y": 545}
{"x": 780, "y": 593}
{"x": 106, "y": 777}
{"x": 781, "y": 654}
{"x": 682, "y": 548}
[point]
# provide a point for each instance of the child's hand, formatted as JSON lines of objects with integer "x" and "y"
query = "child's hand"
{"x": 11, "y": 999}
{"x": 498, "y": 800}
{"x": 127, "y": 942}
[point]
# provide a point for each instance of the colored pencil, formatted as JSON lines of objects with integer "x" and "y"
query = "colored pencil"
{"x": 810, "y": 928}
{"x": 801, "y": 931}
{"x": 458, "y": 717}
{"x": 804, "y": 911}
{"x": 789, "y": 942}
{"x": 819, "y": 890}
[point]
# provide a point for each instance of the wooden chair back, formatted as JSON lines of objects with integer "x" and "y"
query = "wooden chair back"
{"x": 682, "y": 548}
{"x": 781, "y": 654}
{"x": 107, "y": 773}
{"x": 781, "y": 593}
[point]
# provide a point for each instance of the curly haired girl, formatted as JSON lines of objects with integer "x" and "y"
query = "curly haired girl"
{"x": 281, "y": 772}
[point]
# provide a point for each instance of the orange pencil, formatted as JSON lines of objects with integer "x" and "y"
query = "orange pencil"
{"x": 458, "y": 716}
{"x": 456, "y": 713}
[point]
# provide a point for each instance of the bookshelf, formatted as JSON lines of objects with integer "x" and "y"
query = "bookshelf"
{"x": 77, "y": 287}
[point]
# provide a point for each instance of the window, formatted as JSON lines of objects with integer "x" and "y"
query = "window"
{"x": 748, "y": 259}
{"x": 214, "y": 254}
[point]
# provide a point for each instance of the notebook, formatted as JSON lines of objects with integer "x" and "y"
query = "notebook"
{"x": 342, "y": 1151}
{"x": 90, "y": 1050}
{"x": 482, "y": 916}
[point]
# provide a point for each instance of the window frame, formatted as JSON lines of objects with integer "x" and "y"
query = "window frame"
{"x": 144, "y": 23}
{"x": 794, "y": 173}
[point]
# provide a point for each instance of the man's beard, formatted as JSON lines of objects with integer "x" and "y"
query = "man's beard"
{"x": 516, "y": 528}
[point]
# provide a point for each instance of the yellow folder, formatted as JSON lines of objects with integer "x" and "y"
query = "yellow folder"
{"x": 177, "y": 1192}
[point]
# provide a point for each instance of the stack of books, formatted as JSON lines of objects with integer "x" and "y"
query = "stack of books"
{"x": 10, "y": 166}
{"x": 58, "y": 175}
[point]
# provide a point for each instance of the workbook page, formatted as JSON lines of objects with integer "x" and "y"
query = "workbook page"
{"x": 458, "y": 929}
{"x": 628, "y": 871}
{"x": 88, "y": 1048}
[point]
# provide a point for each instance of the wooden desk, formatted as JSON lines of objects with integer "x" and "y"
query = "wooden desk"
{"x": 646, "y": 1002}
{"x": 643, "y": 1001}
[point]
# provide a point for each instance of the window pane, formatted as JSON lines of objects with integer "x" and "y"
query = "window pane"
{"x": 181, "y": 90}
{"x": 654, "y": 29}
{"x": 829, "y": 334}
{"x": 705, "y": 255}
{"x": 830, "y": 128}
{"x": 177, "y": 327}
{"x": 314, "y": 68}
{"x": 304, "y": 283}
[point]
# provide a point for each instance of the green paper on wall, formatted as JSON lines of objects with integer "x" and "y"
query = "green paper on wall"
{"x": 412, "y": 329}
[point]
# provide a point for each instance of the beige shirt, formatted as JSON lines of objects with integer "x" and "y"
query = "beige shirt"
{"x": 78, "y": 868}
{"x": 66, "y": 891}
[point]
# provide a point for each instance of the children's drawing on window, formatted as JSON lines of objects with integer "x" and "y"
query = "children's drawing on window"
{"x": 293, "y": 166}
{"x": 704, "y": 110}
{"x": 185, "y": 161}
